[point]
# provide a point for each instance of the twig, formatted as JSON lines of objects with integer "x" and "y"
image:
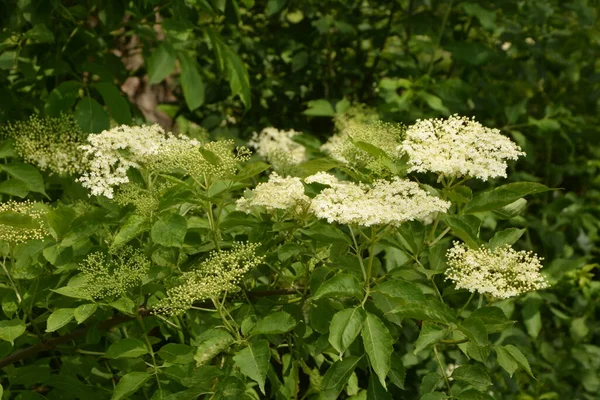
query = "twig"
{"x": 111, "y": 323}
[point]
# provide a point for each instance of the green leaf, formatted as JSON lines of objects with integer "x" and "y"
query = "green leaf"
{"x": 475, "y": 330}
{"x": 506, "y": 237}
{"x": 274, "y": 324}
{"x": 17, "y": 220}
{"x": 169, "y": 230}
{"x": 84, "y": 311}
{"x": 473, "y": 375}
{"x": 126, "y": 348}
{"x": 116, "y": 103}
{"x": 345, "y": 326}
{"x": 428, "y": 310}
{"x": 237, "y": 76}
{"x": 340, "y": 285}
{"x": 315, "y": 165}
{"x": 506, "y": 360}
{"x": 520, "y": 358}
{"x": 319, "y": 108}
{"x": 129, "y": 384}
{"x": 28, "y": 174}
{"x": 434, "y": 102}
{"x": 532, "y": 317}
{"x": 176, "y": 353}
{"x": 434, "y": 396}
{"x": 40, "y": 34}
{"x": 160, "y": 64}
{"x": 430, "y": 334}
{"x": 486, "y": 18}
{"x": 466, "y": 227}
{"x": 400, "y": 289}
{"x": 324, "y": 232}
{"x": 397, "y": 372}
{"x": 124, "y": 304}
{"x": 493, "y": 317}
{"x": 253, "y": 361}
{"x": 288, "y": 251}
{"x": 91, "y": 116}
{"x": 133, "y": 226}
{"x": 379, "y": 345}
{"x": 473, "y": 394}
{"x": 62, "y": 98}
{"x": 337, "y": 376}
{"x": 375, "y": 391}
{"x": 14, "y": 187}
{"x": 251, "y": 170}
{"x": 211, "y": 343}
{"x": 59, "y": 318}
{"x": 10, "y": 330}
{"x": 191, "y": 82}
{"x": 503, "y": 195}
{"x": 274, "y": 6}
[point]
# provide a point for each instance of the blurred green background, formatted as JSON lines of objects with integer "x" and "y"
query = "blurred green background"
{"x": 528, "y": 67}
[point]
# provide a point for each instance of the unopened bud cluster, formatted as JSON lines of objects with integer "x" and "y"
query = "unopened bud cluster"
{"x": 22, "y": 221}
{"x": 279, "y": 148}
{"x": 220, "y": 272}
{"x": 113, "y": 274}
{"x": 49, "y": 143}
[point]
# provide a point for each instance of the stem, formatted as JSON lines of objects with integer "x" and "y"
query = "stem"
{"x": 370, "y": 267}
{"x": 439, "y": 40}
{"x": 357, "y": 250}
{"x": 458, "y": 341}
{"x": 229, "y": 327}
{"x": 11, "y": 280}
{"x": 440, "y": 236}
{"x": 437, "y": 357}
{"x": 149, "y": 345}
{"x": 466, "y": 304}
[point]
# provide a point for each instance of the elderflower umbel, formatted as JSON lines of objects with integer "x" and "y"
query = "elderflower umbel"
{"x": 499, "y": 273}
{"x": 383, "y": 202}
{"x": 30, "y": 218}
{"x": 50, "y": 143}
{"x": 342, "y": 146}
{"x": 456, "y": 147}
{"x": 111, "y": 153}
{"x": 220, "y": 272}
{"x": 112, "y": 275}
{"x": 278, "y": 147}
{"x": 277, "y": 194}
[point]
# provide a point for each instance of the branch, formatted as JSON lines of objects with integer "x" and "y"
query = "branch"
{"x": 111, "y": 323}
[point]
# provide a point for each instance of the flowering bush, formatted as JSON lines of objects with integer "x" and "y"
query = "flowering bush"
{"x": 178, "y": 270}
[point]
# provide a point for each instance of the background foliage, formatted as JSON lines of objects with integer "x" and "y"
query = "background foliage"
{"x": 527, "y": 67}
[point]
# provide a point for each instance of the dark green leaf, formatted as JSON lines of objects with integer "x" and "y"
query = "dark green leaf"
{"x": 129, "y": 384}
{"x": 506, "y": 360}
{"x": 14, "y": 187}
{"x": 378, "y": 345}
{"x": 253, "y": 361}
{"x": 91, "y": 116}
{"x": 160, "y": 64}
{"x": 84, "y": 311}
{"x": 520, "y": 358}
{"x": 503, "y": 195}
{"x": 238, "y": 76}
{"x": 62, "y": 98}
{"x": 59, "y": 318}
{"x": 116, "y": 103}
{"x": 274, "y": 324}
{"x": 133, "y": 226}
{"x": 493, "y": 317}
{"x": 466, "y": 227}
{"x": 176, "y": 353}
{"x": 475, "y": 330}
{"x": 345, "y": 328}
{"x": 169, "y": 230}
{"x": 430, "y": 334}
{"x": 375, "y": 391}
{"x": 397, "y": 372}
{"x": 11, "y": 329}
{"x": 340, "y": 285}
{"x": 28, "y": 174}
{"x": 506, "y": 237}
{"x": 126, "y": 348}
{"x": 337, "y": 376}
{"x": 473, "y": 375}
{"x": 319, "y": 108}
{"x": 212, "y": 342}
{"x": 191, "y": 82}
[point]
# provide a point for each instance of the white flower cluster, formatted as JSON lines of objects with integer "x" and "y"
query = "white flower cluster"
{"x": 383, "y": 202}
{"x": 279, "y": 193}
{"x": 342, "y": 146}
{"x": 500, "y": 273}
{"x": 278, "y": 147}
{"x": 221, "y": 272}
{"x": 456, "y": 147}
{"x": 111, "y": 153}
